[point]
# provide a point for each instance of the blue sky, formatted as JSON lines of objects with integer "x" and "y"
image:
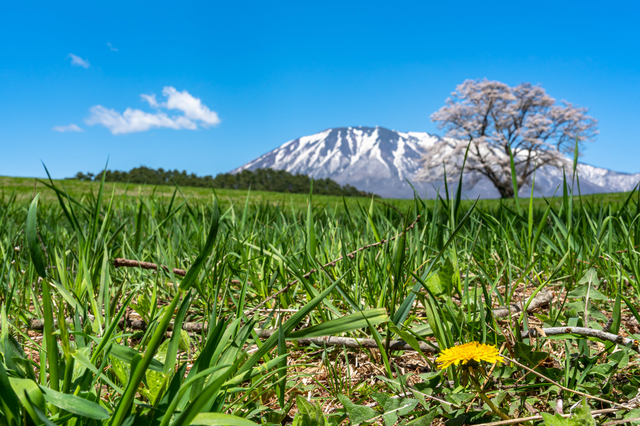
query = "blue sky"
{"x": 249, "y": 76}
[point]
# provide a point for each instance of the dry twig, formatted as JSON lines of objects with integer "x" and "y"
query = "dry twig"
{"x": 350, "y": 342}
{"x": 534, "y": 418}
{"x": 129, "y": 263}
{"x": 542, "y": 299}
{"x": 587, "y": 332}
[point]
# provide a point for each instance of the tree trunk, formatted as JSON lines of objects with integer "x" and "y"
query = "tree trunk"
{"x": 506, "y": 190}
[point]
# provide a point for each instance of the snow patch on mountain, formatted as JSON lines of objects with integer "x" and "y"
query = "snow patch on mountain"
{"x": 379, "y": 160}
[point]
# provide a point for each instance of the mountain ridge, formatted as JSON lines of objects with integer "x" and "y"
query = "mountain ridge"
{"x": 380, "y": 160}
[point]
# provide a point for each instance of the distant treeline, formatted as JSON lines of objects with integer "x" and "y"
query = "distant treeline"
{"x": 259, "y": 180}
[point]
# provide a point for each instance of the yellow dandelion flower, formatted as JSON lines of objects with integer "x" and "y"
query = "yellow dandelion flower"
{"x": 473, "y": 351}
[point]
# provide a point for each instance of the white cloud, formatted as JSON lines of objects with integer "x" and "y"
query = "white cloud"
{"x": 78, "y": 61}
{"x": 192, "y": 107}
{"x": 113, "y": 49}
{"x": 70, "y": 128}
{"x": 151, "y": 99}
{"x": 194, "y": 113}
{"x": 135, "y": 120}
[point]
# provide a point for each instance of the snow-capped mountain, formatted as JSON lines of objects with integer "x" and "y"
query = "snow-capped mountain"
{"x": 381, "y": 161}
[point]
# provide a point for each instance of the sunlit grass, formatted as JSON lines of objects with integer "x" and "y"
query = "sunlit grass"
{"x": 435, "y": 285}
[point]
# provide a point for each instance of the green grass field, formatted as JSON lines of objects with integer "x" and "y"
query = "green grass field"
{"x": 323, "y": 313}
{"x": 27, "y": 187}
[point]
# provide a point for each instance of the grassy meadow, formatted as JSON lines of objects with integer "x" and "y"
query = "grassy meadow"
{"x": 271, "y": 309}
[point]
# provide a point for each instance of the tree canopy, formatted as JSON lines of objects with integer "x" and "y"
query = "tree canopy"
{"x": 494, "y": 119}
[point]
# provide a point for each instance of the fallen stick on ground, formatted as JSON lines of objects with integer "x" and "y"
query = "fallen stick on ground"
{"x": 534, "y": 418}
{"x": 542, "y": 299}
{"x": 586, "y": 332}
{"x": 129, "y": 263}
{"x": 350, "y": 342}
{"x": 133, "y": 324}
{"x": 622, "y": 421}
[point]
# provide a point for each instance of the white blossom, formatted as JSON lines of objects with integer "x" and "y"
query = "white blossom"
{"x": 492, "y": 118}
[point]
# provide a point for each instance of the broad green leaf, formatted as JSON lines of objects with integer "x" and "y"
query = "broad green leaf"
{"x": 171, "y": 351}
{"x": 388, "y": 404}
{"x": 582, "y": 415}
{"x": 357, "y": 413}
{"x": 29, "y": 394}
{"x": 155, "y": 379}
{"x": 8, "y": 399}
{"x": 433, "y": 282}
{"x": 554, "y": 420}
{"x": 74, "y": 404}
{"x": 126, "y": 354}
{"x": 308, "y": 414}
{"x": 447, "y": 276}
{"x": 527, "y": 352}
{"x": 220, "y": 419}
{"x": 590, "y": 277}
{"x": 581, "y": 292}
{"x": 84, "y": 363}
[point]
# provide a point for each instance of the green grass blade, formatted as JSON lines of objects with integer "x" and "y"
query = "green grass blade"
{"x": 192, "y": 274}
{"x": 342, "y": 325}
{"x": 172, "y": 350}
{"x": 311, "y": 227}
{"x": 458, "y": 198}
{"x": 272, "y": 341}
{"x": 202, "y": 400}
{"x": 137, "y": 373}
{"x": 37, "y": 255}
{"x": 514, "y": 180}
